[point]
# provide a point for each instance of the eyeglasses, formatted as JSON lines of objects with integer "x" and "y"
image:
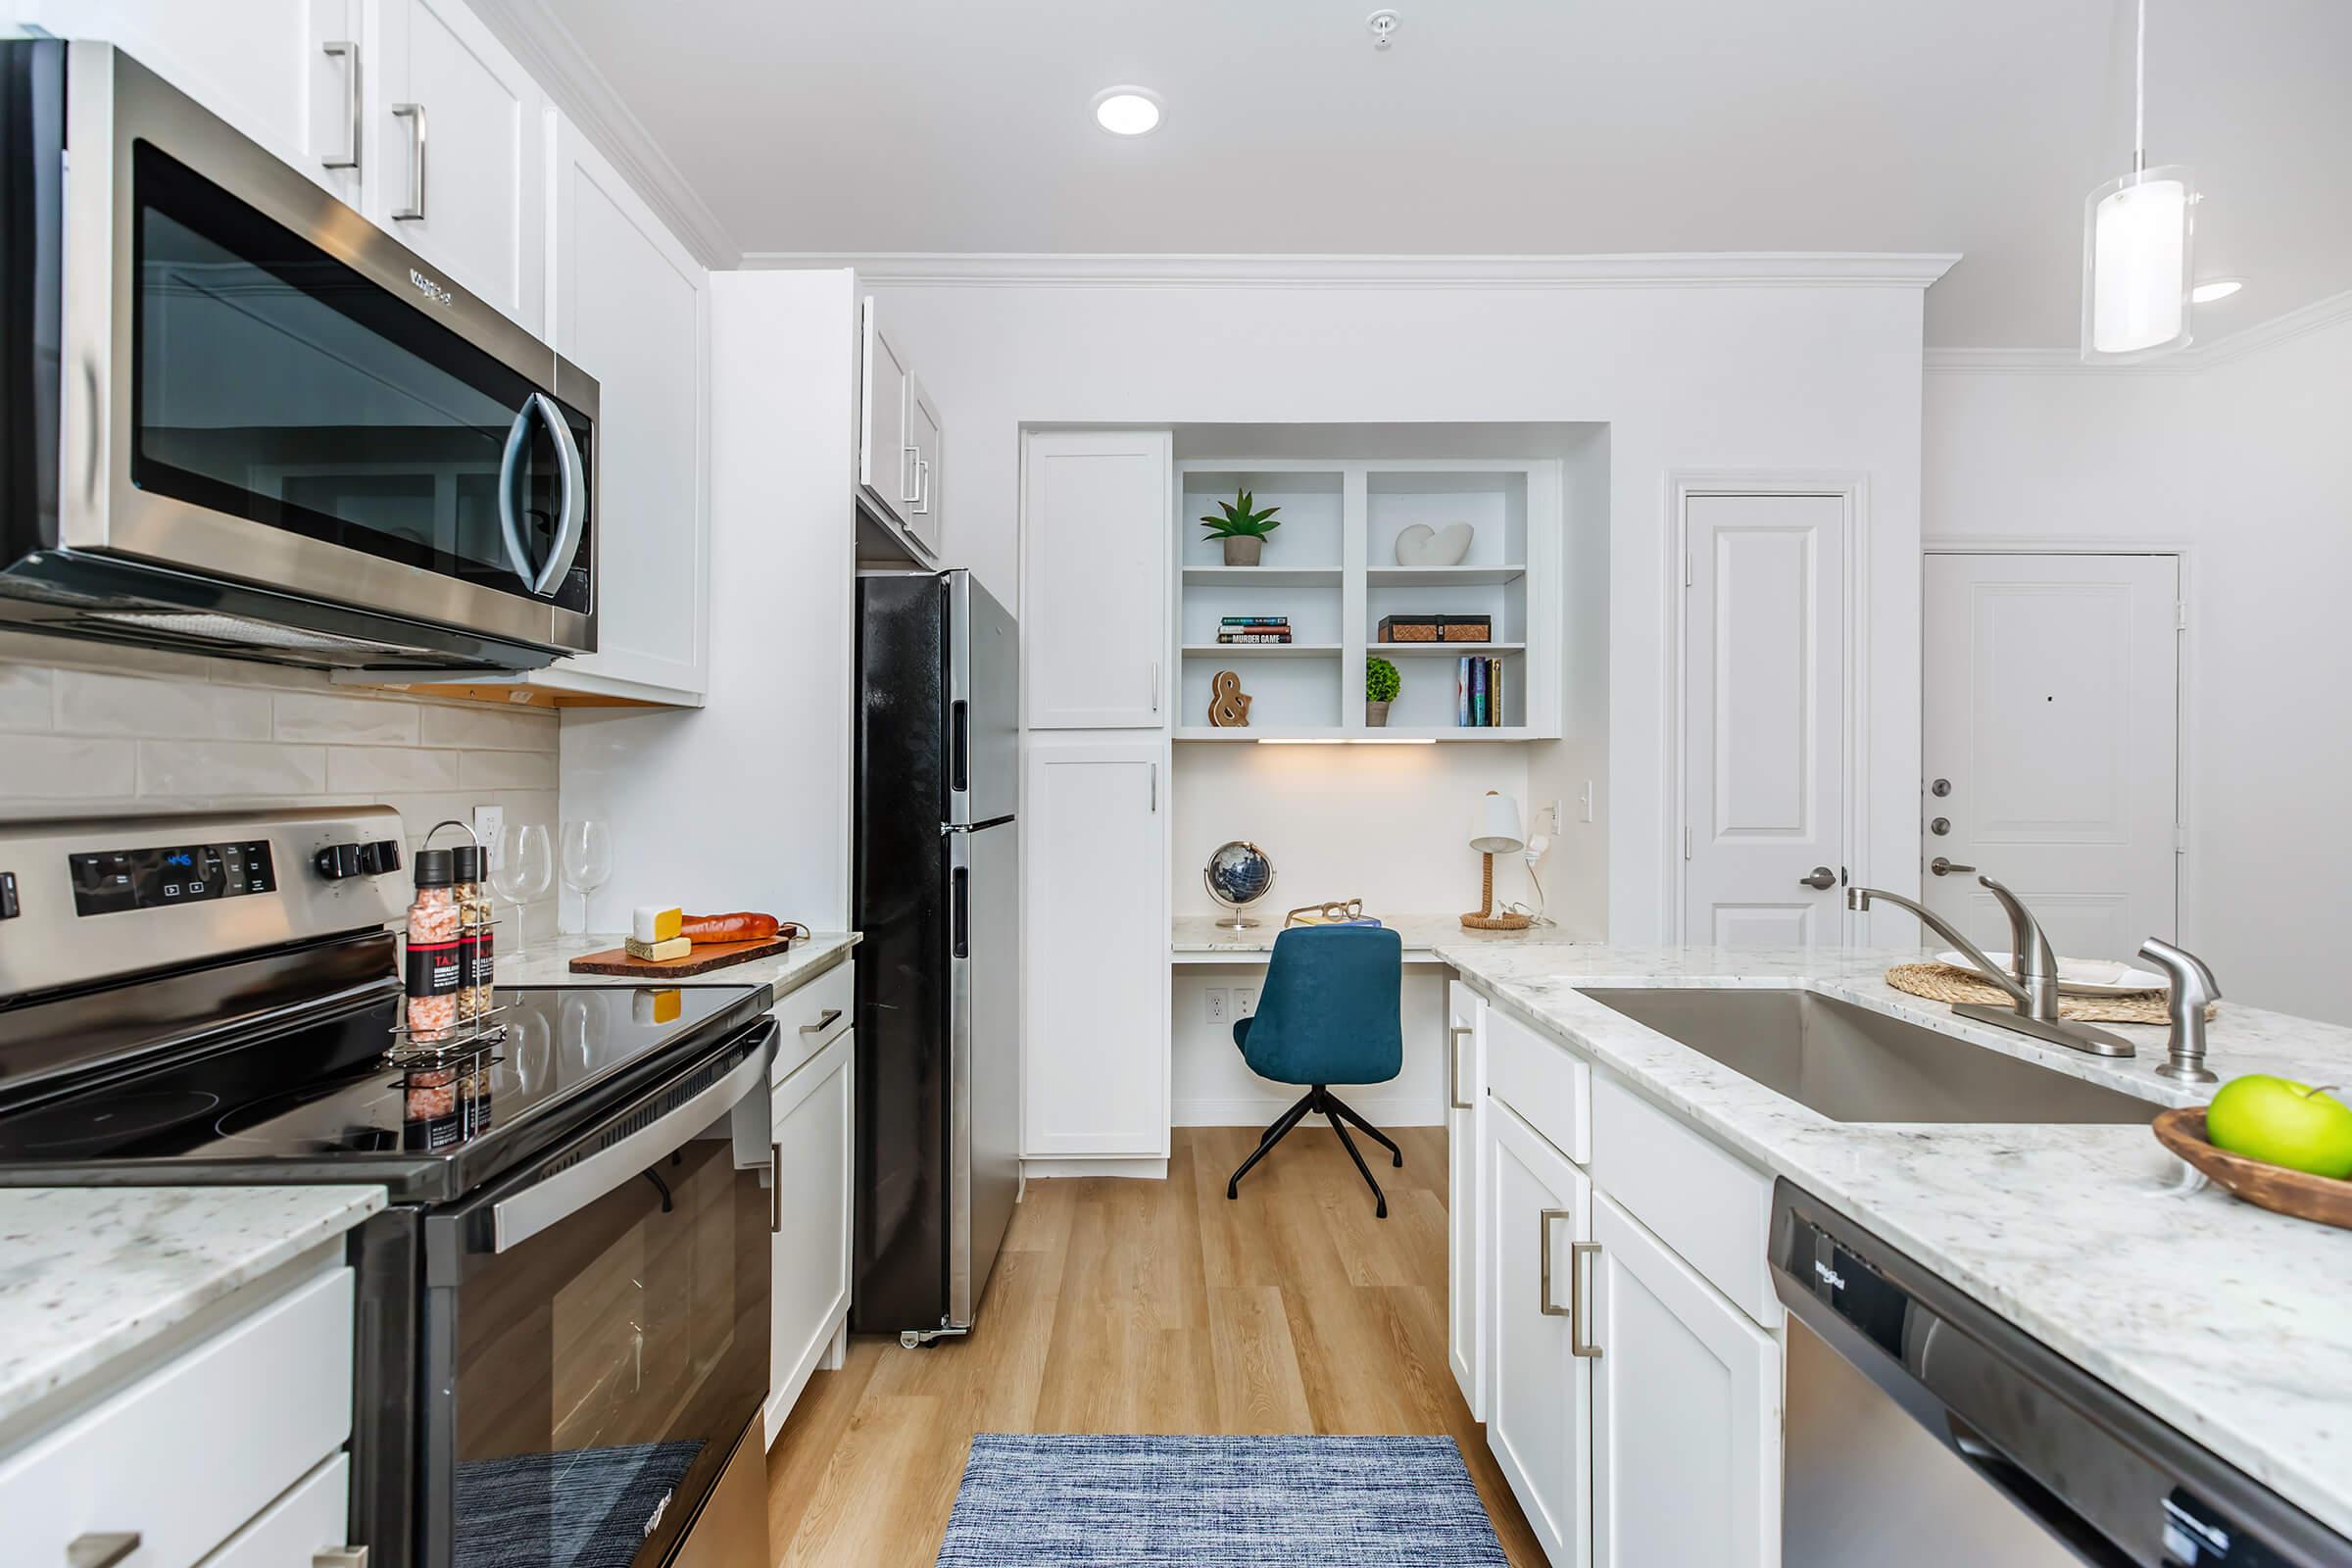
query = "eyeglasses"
{"x": 1332, "y": 913}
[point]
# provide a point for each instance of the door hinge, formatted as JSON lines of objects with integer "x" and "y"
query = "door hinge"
{"x": 2179, "y": 838}
{"x": 2180, "y": 615}
{"x": 1685, "y": 844}
{"x": 1687, "y": 578}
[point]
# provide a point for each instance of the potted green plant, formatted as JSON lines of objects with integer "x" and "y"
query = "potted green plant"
{"x": 1243, "y": 529}
{"x": 1382, "y": 683}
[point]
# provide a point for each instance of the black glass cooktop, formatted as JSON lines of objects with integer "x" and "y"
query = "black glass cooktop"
{"x": 318, "y": 1101}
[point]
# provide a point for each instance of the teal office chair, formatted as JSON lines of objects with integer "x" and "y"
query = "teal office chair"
{"x": 1328, "y": 1015}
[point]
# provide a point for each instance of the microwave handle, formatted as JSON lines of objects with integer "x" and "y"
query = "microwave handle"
{"x": 509, "y": 527}
{"x": 574, "y": 507}
{"x": 743, "y": 1090}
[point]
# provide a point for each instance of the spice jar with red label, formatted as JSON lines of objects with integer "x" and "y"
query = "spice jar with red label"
{"x": 435, "y": 971}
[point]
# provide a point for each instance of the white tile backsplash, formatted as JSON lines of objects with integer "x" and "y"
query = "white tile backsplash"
{"x": 507, "y": 770}
{"x": 229, "y": 770}
{"x": 93, "y": 703}
{"x": 349, "y": 720}
{"x": 67, "y": 767}
{"x": 483, "y": 728}
{"x": 373, "y": 769}
{"x": 23, "y": 699}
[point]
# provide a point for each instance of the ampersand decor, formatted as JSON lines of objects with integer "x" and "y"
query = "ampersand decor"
{"x": 1228, "y": 703}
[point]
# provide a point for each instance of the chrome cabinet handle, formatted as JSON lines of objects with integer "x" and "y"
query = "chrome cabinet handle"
{"x": 910, "y": 465}
{"x": 1943, "y": 867}
{"x": 1543, "y": 1219}
{"x": 348, "y": 52}
{"x": 824, "y": 1021}
{"x": 1578, "y": 1344}
{"x": 1453, "y": 1067}
{"x": 1822, "y": 877}
{"x": 1155, "y": 686}
{"x": 101, "y": 1548}
{"x": 1155, "y": 788}
{"x": 922, "y": 487}
{"x": 413, "y": 114}
{"x": 775, "y": 1188}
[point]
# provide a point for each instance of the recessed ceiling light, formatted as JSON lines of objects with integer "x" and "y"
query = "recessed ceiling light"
{"x": 1127, "y": 111}
{"x": 2220, "y": 288}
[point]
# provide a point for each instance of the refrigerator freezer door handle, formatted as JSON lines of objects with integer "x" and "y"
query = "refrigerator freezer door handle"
{"x": 961, "y": 896}
{"x": 959, "y": 746}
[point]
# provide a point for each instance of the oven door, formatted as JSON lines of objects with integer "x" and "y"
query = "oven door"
{"x": 596, "y": 1329}
{"x": 258, "y": 386}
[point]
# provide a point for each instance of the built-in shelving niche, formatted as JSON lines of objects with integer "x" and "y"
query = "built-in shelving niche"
{"x": 1332, "y": 569}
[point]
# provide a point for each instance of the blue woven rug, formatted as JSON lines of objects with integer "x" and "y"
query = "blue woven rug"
{"x": 1073, "y": 1502}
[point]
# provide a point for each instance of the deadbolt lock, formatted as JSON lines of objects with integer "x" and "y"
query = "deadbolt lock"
{"x": 1940, "y": 826}
{"x": 1940, "y": 787}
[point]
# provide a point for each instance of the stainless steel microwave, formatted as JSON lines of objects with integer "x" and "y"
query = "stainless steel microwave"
{"x": 236, "y": 417}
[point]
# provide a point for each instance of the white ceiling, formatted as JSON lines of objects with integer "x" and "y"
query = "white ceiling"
{"x": 1511, "y": 127}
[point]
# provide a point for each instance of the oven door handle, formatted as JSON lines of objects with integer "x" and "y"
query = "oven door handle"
{"x": 516, "y": 1220}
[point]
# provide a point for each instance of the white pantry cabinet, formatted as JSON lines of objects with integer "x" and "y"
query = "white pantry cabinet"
{"x": 1465, "y": 1130}
{"x": 1094, "y": 578}
{"x": 813, "y": 1195}
{"x": 459, "y": 166}
{"x": 1540, "y": 1404}
{"x": 1094, "y": 897}
{"x": 1686, "y": 1412}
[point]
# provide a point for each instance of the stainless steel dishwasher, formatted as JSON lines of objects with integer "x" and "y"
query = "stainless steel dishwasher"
{"x": 1927, "y": 1430}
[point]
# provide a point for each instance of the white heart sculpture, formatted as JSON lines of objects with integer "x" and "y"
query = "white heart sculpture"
{"x": 1423, "y": 546}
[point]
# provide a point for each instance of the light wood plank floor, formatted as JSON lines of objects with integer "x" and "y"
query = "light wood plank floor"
{"x": 1152, "y": 1306}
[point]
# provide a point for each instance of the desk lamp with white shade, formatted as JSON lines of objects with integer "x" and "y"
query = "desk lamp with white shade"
{"x": 1495, "y": 830}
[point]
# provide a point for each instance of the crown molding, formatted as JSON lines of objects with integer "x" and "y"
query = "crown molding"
{"x": 555, "y": 60}
{"x": 1694, "y": 269}
{"x": 2302, "y": 320}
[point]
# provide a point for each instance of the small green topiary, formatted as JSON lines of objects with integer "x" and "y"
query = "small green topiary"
{"x": 1382, "y": 683}
{"x": 1241, "y": 521}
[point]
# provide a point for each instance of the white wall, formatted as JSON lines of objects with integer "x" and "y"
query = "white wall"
{"x": 1791, "y": 377}
{"x": 2248, "y": 462}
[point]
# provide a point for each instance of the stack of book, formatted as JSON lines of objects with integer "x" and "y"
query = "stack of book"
{"x": 1255, "y": 629}
{"x": 1478, "y": 693}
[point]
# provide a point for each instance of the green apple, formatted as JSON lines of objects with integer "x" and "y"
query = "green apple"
{"x": 2284, "y": 1123}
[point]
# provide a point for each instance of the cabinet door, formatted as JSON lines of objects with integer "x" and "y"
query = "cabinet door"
{"x": 1095, "y": 933}
{"x": 632, "y": 306}
{"x": 459, "y": 165}
{"x": 812, "y": 1153}
{"x": 1540, "y": 1391}
{"x": 1686, "y": 1412}
{"x": 886, "y": 457}
{"x": 922, "y": 435}
{"x": 1465, "y": 1241}
{"x": 1095, "y": 548}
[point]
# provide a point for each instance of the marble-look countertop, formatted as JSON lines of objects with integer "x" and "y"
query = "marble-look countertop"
{"x": 1193, "y": 934}
{"x": 90, "y": 1273}
{"x": 2231, "y": 1323}
{"x": 548, "y": 964}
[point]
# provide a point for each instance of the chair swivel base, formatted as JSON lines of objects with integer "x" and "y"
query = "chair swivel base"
{"x": 1320, "y": 1099}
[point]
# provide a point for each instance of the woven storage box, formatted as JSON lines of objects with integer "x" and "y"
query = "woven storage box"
{"x": 1437, "y": 629}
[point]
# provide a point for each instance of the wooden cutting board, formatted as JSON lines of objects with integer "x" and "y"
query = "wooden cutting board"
{"x": 706, "y": 957}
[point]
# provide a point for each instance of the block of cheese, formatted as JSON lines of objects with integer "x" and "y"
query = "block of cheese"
{"x": 660, "y": 952}
{"x": 649, "y": 923}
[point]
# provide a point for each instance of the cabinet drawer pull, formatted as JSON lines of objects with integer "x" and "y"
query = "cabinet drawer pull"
{"x": 101, "y": 1548}
{"x": 349, "y": 53}
{"x": 413, "y": 114}
{"x": 1453, "y": 1067}
{"x": 775, "y": 1188}
{"x": 1578, "y": 1252}
{"x": 824, "y": 1021}
{"x": 1543, "y": 1219}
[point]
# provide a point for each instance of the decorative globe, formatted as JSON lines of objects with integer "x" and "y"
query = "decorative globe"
{"x": 1239, "y": 874}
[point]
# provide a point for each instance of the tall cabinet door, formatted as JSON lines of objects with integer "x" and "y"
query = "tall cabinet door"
{"x": 1686, "y": 1412}
{"x": 459, "y": 165}
{"x": 1095, "y": 935}
{"x": 815, "y": 1168}
{"x": 1094, "y": 586}
{"x": 1465, "y": 1103}
{"x": 632, "y": 308}
{"x": 887, "y": 461}
{"x": 1540, "y": 1391}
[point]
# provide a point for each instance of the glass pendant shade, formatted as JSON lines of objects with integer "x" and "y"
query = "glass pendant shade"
{"x": 2137, "y": 233}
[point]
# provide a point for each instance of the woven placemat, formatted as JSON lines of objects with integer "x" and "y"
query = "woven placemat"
{"x": 1944, "y": 982}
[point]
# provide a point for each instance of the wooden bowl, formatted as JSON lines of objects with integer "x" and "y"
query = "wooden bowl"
{"x": 2266, "y": 1185}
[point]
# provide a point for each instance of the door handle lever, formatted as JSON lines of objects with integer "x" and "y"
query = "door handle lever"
{"x": 1943, "y": 867}
{"x": 1823, "y": 878}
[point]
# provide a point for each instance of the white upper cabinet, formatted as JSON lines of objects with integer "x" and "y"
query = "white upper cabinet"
{"x": 457, "y": 167}
{"x": 1094, "y": 578}
{"x": 886, "y": 459}
{"x": 630, "y": 306}
{"x": 922, "y": 441}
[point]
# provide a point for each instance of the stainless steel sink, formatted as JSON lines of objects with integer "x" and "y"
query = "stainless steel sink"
{"x": 1854, "y": 1065}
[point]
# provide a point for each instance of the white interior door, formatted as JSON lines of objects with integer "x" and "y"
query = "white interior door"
{"x": 2051, "y": 718}
{"x": 1764, "y": 722}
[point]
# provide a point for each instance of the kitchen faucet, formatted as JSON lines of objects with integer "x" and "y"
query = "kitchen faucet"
{"x": 2034, "y": 986}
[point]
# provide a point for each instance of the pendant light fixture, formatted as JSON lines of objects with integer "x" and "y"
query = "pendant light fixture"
{"x": 2137, "y": 237}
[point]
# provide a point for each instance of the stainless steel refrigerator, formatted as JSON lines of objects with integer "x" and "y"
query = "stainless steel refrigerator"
{"x": 934, "y": 888}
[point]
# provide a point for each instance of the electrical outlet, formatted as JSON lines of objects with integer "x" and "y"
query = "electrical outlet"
{"x": 488, "y": 821}
{"x": 1244, "y": 1002}
{"x": 1219, "y": 1003}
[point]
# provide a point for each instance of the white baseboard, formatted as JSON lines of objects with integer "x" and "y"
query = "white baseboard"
{"x": 1143, "y": 1170}
{"x": 1381, "y": 1111}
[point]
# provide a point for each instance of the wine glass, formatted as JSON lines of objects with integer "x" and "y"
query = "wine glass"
{"x": 587, "y": 862}
{"x": 522, "y": 868}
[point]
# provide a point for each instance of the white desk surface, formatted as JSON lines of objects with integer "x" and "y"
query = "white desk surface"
{"x": 1197, "y": 938}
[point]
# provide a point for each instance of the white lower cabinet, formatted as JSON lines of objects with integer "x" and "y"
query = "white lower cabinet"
{"x": 1465, "y": 1118}
{"x": 1686, "y": 1412}
{"x": 1540, "y": 1394}
{"x": 814, "y": 1150}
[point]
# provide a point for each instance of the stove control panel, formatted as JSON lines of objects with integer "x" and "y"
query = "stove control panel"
{"x": 109, "y": 881}
{"x": 339, "y": 861}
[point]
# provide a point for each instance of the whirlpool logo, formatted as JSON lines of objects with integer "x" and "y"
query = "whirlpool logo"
{"x": 429, "y": 289}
